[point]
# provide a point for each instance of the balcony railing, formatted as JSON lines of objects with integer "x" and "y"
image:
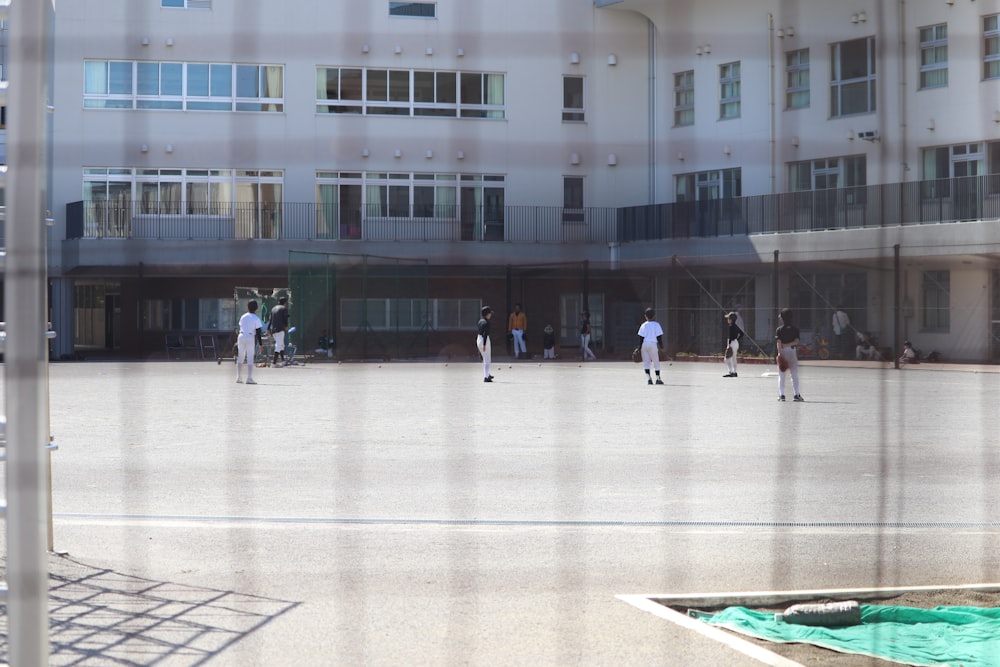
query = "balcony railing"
{"x": 892, "y": 204}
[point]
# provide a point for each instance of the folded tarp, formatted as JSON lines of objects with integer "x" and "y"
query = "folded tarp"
{"x": 950, "y": 636}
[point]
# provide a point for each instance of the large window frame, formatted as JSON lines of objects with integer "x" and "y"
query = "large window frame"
{"x": 409, "y": 314}
{"x": 797, "y": 71}
{"x": 684, "y": 98}
{"x": 853, "y": 81}
{"x": 186, "y": 4}
{"x": 411, "y": 93}
{"x": 729, "y": 91}
{"x": 574, "y": 91}
{"x": 182, "y": 86}
{"x": 935, "y": 301}
{"x": 991, "y": 46}
{"x": 413, "y": 10}
{"x": 933, "y": 56}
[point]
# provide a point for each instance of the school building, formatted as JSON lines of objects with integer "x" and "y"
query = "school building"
{"x": 399, "y": 164}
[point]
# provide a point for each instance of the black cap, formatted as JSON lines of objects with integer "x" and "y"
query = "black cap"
{"x": 486, "y": 311}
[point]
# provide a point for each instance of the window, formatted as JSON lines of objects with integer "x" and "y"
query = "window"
{"x": 934, "y": 56}
{"x": 852, "y": 77}
{"x": 797, "y": 79}
{"x": 409, "y": 93}
{"x": 828, "y": 173}
{"x": 935, "y": 291}
{"x": 344, "y": 199}
{"x": 115, "y": 84}
{"x": 423, "y": 10}
{"x": 189, "y": 314}
{"x": 709, "y": 185}
{"x": 941, "y": 163}
{"x": 572, "y": 98}
{"x": 729, "y": 91}
{"x": 991, "y": 43}
{"x": 684, "y": 98}
{"x": 388, "y": 314}
{"x": 572, "y": 199}
{"x": 187, "y": 4}
{"x": 116, "y": 198}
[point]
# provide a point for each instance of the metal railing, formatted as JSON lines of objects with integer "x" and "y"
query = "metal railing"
{"x": 891, "y": 204}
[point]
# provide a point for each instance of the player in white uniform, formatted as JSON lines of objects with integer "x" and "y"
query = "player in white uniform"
{"x": 651, "y": 334}
{"x": 250, "y": 334}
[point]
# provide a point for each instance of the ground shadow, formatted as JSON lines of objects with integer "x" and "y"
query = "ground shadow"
{"x": 99, "y": 616}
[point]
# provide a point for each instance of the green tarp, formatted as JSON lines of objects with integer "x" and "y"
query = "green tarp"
{"x": 952, "y": 636}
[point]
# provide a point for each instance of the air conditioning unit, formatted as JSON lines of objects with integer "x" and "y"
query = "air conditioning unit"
{"x": 868, "y": 135}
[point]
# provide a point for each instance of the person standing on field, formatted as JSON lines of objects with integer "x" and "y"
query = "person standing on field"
{"x": 650, "y": 343}
{"x": 483, "y": 343}
{"x": 787, "y": 337}
{"x": 585, "y": 336}
{"x": 732, "y": 345}
{"x": 278, "y": 326}
{"x": 517, "y": 325}
{"x": 250, "y": 333}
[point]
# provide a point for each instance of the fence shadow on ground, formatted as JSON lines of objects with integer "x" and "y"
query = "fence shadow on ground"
{"x": 99, "y": 616}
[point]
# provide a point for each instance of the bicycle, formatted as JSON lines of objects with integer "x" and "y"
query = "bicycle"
{"x": 819, "y": 348}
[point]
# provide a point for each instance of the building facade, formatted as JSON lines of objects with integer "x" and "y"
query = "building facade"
{"x": 566, "y": 155}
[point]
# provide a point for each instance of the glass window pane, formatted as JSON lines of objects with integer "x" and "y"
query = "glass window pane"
{"x": 247, "y": 84}
{"x": 148, "y": 75}
{"x": 378, "y": 85}
{"x": 120, "y": 78}
{"x": 221, "y": 81}
{"x": 197, "y": 80}
{"x": 423, "y": 86}
{"x": 171, "y": 78}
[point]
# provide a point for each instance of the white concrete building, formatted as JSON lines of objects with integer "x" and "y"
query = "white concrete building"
{"x": 564, "y": 154}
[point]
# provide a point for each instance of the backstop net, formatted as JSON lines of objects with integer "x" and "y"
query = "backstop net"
{"x": 359, "y": 306}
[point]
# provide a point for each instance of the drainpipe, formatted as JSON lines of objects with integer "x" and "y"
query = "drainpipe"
{"x": 903, "y": 168}
{"x": 771, "y": 93}
{"x": 651, "y": 111}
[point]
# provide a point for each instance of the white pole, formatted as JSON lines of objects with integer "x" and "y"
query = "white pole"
{"x": 26, "y": 352}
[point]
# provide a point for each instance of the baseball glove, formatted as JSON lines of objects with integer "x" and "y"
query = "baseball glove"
{"x": 782, "y": 364}
{"x": 636, "y": 355}
{"x": 729, "y": 353}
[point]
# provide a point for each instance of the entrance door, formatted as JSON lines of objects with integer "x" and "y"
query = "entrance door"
{"x": 350, "y": 212}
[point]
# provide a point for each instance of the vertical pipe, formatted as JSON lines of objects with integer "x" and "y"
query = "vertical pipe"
{"x": 26, "y": 353}
{"x": 896, "y": 282}
{"x": 771, "y": 99}
{"x": 651, "y": 111}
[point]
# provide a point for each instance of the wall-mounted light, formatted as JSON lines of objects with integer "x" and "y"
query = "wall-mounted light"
{"x": 949, "y": 2}
{"x": 780, "y": 32}
{"x": 460, "y": 155}
{"x": 612, "y": 160}
{"x": 612, "y": 59}
{"x": 727, "y": 150}
{"x": 429, "y": 154}
{"x": 397, "y": 153}
{"x": 708, "y": 48}
{"x": 574, "y": 58}
{"x": 574, "y": 158}
{"x": 144, "y": 148}
{"x": 365, "y": 48}
{"x": 169, "y": 148}
{"x": 169, "y": 41}
{"x": 460, "y": 52}
{"x": 996, "y": 116}
{"x": 859, "y": 17}
{"x": 397, "y": 49}
{"x": 850, "y": 135}
{"x": 429, "y": 51}
{"x": 931, "y": 125}
{"x": 790, "y": 31}
{"x": 365, "y": 152}
{"x": 680, "y": 155}
{"x": 697, "y": 51}
{"x": 144, "y": 41}
{"x": 795, "y": 142}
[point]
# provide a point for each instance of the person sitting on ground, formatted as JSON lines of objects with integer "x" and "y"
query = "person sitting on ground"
{"x": 909, "y": 355}
{"x": 866, "y": 350}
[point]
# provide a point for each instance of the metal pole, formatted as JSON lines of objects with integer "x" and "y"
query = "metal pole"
{"x": 896, "y": 305}
{"x": 26, "y": 353}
